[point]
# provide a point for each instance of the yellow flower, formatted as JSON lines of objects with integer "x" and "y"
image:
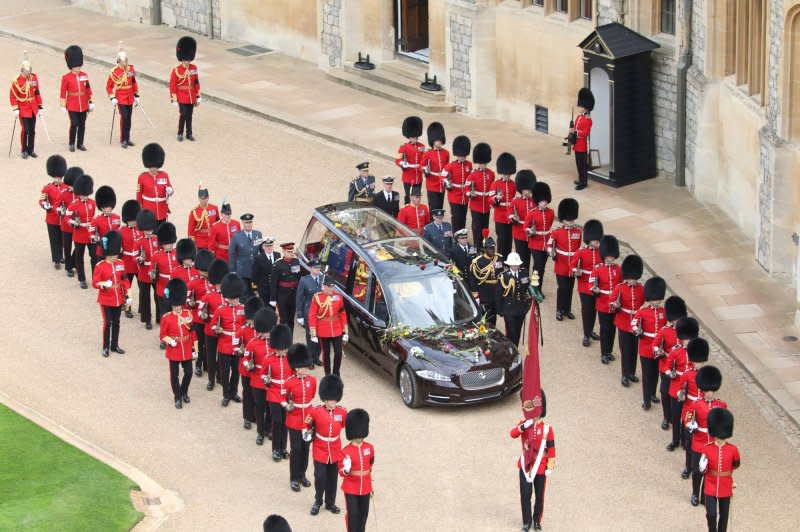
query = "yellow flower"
{"x": 482, "y": 329}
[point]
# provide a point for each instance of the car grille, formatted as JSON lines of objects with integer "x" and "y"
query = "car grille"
{"x": 485, "y": 378}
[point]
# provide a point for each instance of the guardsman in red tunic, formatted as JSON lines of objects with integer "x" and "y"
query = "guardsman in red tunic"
{"x": 222, "y": 231}
{"x": 153, "y": 188}
{"x": 49, "y": 201}
{"x": 603, "y": 279}
{"x": 176, "y": 332}
{"x": 206, "y": 308}
{"x": 355, "y": 468}
{"x": 504, "y": 190}
{"x": 246, "y": 333}
{"x": 717, "y": 463}
{"x": 626, "y": 299}
{"x": 582, "y": 265}
{"x": 112, "y": 285}
{"x": 415, "y": 215}
{"x": 256, "y": 353}
{"x": 197, "y": 289}
{"x": 123, "y": 91}
{"x": 665, "y": 340}
{"x": 276, "y": 374}
{"x": 433, "y": 163}
{"x": 131, "y": 239}
{"x": 677, "y": 361}
{"x": 409, "y": 155}
{"x": 521, "y": 206}
{"x": 184, "y": 85}
{"x": 454, "y": 178}
{"x": 76, "y": 96}
{"x": 646, "y": 324}
{"x": 105, "y": 199}
{"x": 536, "y": 463}
{"x": 327, "y": 323}
{"x": 327, "y": 421}
{"x": 202, "y": 218}
{"x": 81, "y": 213}
{"x": 26, "y": 103}
{"x": 688, "y": 393}
{"x": 185, "y": 254}
{"x": 163, "y": 264}
{"x": 65, "y": 201}
{"x": 300, "y": 391}
{"x": 708, "y": 380}
{"x": 580, "y": 133}
{"x": 148, "y": 245}
{"x": 226, "y": 321}
{"x": 479, "y": 191}
{"x": 537, "y": 225}
{"x": 562, "y": 245}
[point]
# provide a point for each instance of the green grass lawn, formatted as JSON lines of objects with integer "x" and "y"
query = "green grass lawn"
{"x": 47, "y": 484}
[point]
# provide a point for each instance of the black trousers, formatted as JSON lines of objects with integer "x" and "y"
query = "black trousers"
{"x": 248, "y": 406}
{"x": 325, "y": 480}
{"x": 687, "y": 449}
{"x": 357, "y": 512}
{"x": 539, "y": 263}
{"x": 607, "y": 332}
{"x": 145, "y": 310}
{"x": 566, "y": 285}
{"x": 504, "y": 240}
{"x": 649, "y": 378}
{"x": 435, "y": 200}
{"x": 628, "y": 355}
{"x": 77, "y": 127}
{"x": 524, "y": 252}
{"x": 110, "y": 326}
{"x": 211, "y": 357}
{"x": 582, "y": 163}
{"x": 697, "y": 476}
{"x": 200, "y": 333}
{"x": 69, "y": 260}
{"x": 490, "y": 309}
{"x": 229, "y": 366}
{"x": 677, "y": 424}
{"x": 458, "y": 216}
{"x": 666, "y": 404}
{"x": 125, "y": 114}
{"x": 162, "y": 307}
{"x": 298, "y": 457}
{"x": 261, "y": 411}
{"x": 278, "y": 426}
{"x": 80, "y": 250}
{"x": 287, "y": 308}
{"x": 94, "y": 258}
{"x": 182, "y": 388}
{"x": 480, "y": 221}
{"x": 724, "y": 506}
{"x": 588, "y": 312}
{"x": 526, "y": 491}
{"x": 325, "y": 345}
{"x": 313, "y": 347}
{"x": 185, "y": 111}
{"x": 27, "y": 133}
{"x": 56, "y": 244}
{"x": 514, "y": 327}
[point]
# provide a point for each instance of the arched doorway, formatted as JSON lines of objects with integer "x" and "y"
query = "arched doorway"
{"x": 601, "y": 116}
{"x": 792, "y": 71}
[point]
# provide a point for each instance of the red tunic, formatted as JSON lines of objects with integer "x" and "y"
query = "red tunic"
{"x": 540, "y": 221}
{"x": 67, "y": 198}
{"x": 678, "y": 360}
{"x": 164, "y": 263}
{"x": 565, "y": 241}
{"x": 148, "y": 245}
{"x": 698, "y": 411}
{"x": 326, "y": 314}
{"x": 200, "y": 222}
{"x": 416, "y": 218}
{"x": 279, "y": 371}
{"x": 184, "y": 84}
{"x": 258, "y": 351}
{"x": 102, "y": 224}
{"x": 457, "y": 173}
{"x": 504, "y": 191}
{"x": 221, "y": 234}
{"x": 722, "y": 460}
{"x": 531, "y": 439}
{"x": 114, "y": 271}
{"x": 229, "y": 318}
{"x": 687, "y": 382}
{"x": 245, "y": 334}
{"x": 649, "y": 320}
{"x": 433, "y": 162}
{"x": 409, "y": 158}
{"x": 25, "y": 96}
{"x": 186, "y": 274}
{"x": 665, "y": 340}
{"x": 479, "y": 184}
{"x": 630, "y": 299}
{"x": 300, "y": 391}
{"x": 131, "y": 245}
{"x": 195, "y": 292}
{"x": 122, "y": 84}
{"x": 76, "y": 94}
{"x": 606, "y": 277}
{"x": 584, "y": 262}
{"x": 328, "y": 425}
{"x": 583, "y": 126}
{"x": 210, "y": 303}
{"x": 521, "y": 207}
{"x": 151, "y": 193}
{"x": 82, "y": 212}
{"x": 50, "y": 200}
{"x": 358, "y": 481}
{"x": 179, "y": 328}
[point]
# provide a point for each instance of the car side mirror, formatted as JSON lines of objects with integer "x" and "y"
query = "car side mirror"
{"x": 380, "y": 324}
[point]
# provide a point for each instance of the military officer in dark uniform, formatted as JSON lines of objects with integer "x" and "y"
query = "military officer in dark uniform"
{"x": 309, "y": 285}
{"x": 283, "y": 290}
{"x": 483, "y": 273}
{"x": 242, "y": 252}
{"x": 387, "y": 200}
{"x": 439, "y": 233}
{"x": 513, "y": 297}
{"x": 462, "y": 253}
{"x": 362, "y": 187}
{"x": 264, "y": 261}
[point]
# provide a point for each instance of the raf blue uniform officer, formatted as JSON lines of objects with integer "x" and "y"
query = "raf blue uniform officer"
{"x": 362, "y": 187}
{"x": 242, "y": 251}
{"x": 439, "y": 233}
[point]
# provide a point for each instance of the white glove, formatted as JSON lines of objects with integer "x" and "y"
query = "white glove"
{"x": 16, "y": 113}
{"x": 347, "y": 464}
{"x": 199, "y": 99}
{"x": 114, "y": 101}
{"x": 273, "y": 303}
{"x": 173, "y": 342}
{"x": 301, "y": 321}
{"x": 128, "y": 301}
{"x": 345, "y": 338}
{"x": 107, "y": 284}
{"x": 64, "y": 110}
{"x": 46, "y": 205}
{"x": 170, "y": 191}
{"x": 136, "y": 101}
{"x": 195, "y": 355}
{"x": 702, "y": 465}
{"x": 40, "y": 113}
{"x": 174, "y": 103}
{"x": 289, "y": 406}
{"x": 548, "y": 472}
{"x": 403, "y": 164}
{"x": 315, "y": 339}
{"x": 527, "y": 424}
{"x": 692, "y": 425}
{"x": 306, "y": 435}
{"x": 91, "y": 107}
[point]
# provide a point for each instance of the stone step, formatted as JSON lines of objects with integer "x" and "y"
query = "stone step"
{"x": 406, "y": 68}
{"x": 399, "y": 78}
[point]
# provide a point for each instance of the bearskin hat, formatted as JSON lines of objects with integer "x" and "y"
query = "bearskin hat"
{"x": 84, "y": 185}
{"x": 697, "y": 350}
{"x": 708, "y": 378}
{"x": 436, "y": 132}
{"x": 675, "y": 308}
{"x": 130, "y": 210}
{"x": 264, "y": 320}
{"x": 412, "y": 127}
{"x": 217, "y": 271}
{"x": 231, "y": 286}
{"x": 525, "y": 180}
{"x": 105, "y": 197}
{"x": 687, "y": 328}
{"x": 146, "y": 220}
{"x": 482, "y": 153}
{"x": 186, "y": 49}
{"x": 357, "y": 424}
{"x": 71, "y": 175}
{"x": 276, "y": 523}
{"x": 506, "y": 164}
{"x": 280, "y": 337}
{"x": 461, "y": 146}
{"x": 73, "y": 55}
{"x": 632, "y": 267}
{"x": 153, "y": 155}
{"x": 655, "y": 289}
{"x": 331, "y": 388}
{"x": 112, "y": 244}
{"x": 166, "y": 234}
{"x": 185, "y": 249}
{"x": 592, "y": 230}
{"x": 541, "y": 192}
{"x": 609, "y": 247}
{"x": 56, "y": 166}
{"x": 586, "y": 99}
{"x": 251, "y": 306}
{"x": 720, "y": 423}
{"x": 203, "y": 259}
{"x": 176, "y": 292}
{"x": 568, "y": 209}
{"x": 299, "y": 356}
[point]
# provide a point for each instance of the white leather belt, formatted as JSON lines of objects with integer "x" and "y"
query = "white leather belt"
{"x": 226, "y": 333}
{"x": 146, "y": 198}
{"x": 678, "y": 372}
{"x": 691, "y": 397}
{"x": 567, "y": 253}
{"x": 627, "y": 310}
{"x": 302, "y": 405}
{"x": 703, "y": 430}
{"x": 258, "y": 366}
{"x": 275, "y": 381}
{"x": 475, "y": 192}
{"x": 457, "y": 185}
{"x": 408, "y": 165}
{"x": 649, "y": 335}
{"x": 605, "y": 292}
{"x": 438, "y": 174}
{"x": 164, "y": 275}
{"x": 326, "y": 438}
{"x": 585, "y": 272}
{"x": 131, "y": 253}
{"x": 540, "y": 233}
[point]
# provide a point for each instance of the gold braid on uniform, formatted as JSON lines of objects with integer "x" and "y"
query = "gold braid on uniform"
{"x": 507, "y": 288}
{"x": 201, "y": 220}
{"x": 121, "y": 81}
{"x": 358, "y": 190}
{"x": 482, "y": 274}
{"x": 324, "y": 308}
{"x": 23, "y": 92}
{"x": 183, "y": 78}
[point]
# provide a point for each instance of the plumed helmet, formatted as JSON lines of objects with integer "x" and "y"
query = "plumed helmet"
{"x": 708, "y": 378}
{"x": 203, "y": 259}
{"x": 675, "y": 308}
{"x": 72, "y": 174}
{"x": 525, "y": 180}
{"x": 687, "y": 328}
{"x": 482, "y": 153}
{"x": 84, "y": 185}
{"x": 112, "y": 244}
{"x": 299, "y": 356}
{"x": 632, "y": 267}
{"x": 73, "y": 55}
{"x": 436, "y": 132}
{"x": 541, "y": 192}
{"x": 280, "y": 337}
{"x": 506, "y": 164}
{"x": 655, "y": 289}
{"x": 186, "y": 49}
{"x": 276, "y": 523}
{"x": 357, "y": 424}
{"x": 166, "y": 234}
{"x": 609, "y": 247}
{"x": 105, "y": 197}
{"x": 130, "y": 209}
{"x": 217, "y": 271}
{"x": 185, "y": 249}
{"x": 592, "y": 230}
{"x": 568, "y": 209}
{"x": 697, "y": 350}
{"x": 412, "y": 126}
{"x": 176, "y": 292}
{"x": 461, "y": 146}
{"x": 720, "y": 423}
{"x": 251, "y": 306}
{"x": 153, "y": 155}
{"x": 586, "y": 99}
{"x": 264, "y": 320}
{"x": 146, "y": 220}
{"x": 231, "y": 286}
{"x": 331, "y": 388}
{"x": 56, "y": 166}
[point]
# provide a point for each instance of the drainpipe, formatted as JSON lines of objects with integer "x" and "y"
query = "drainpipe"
{"x": 684, "y": 62}
{"x": 210, "y": 16}
{"x": 155, "y": 12}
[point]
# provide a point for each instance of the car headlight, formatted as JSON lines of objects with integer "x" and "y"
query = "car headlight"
{"x": 431, "y": 375}
{"x": 516, "y": 363}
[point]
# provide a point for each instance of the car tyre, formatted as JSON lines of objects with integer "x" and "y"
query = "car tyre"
{"x": 409, "y": 389}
